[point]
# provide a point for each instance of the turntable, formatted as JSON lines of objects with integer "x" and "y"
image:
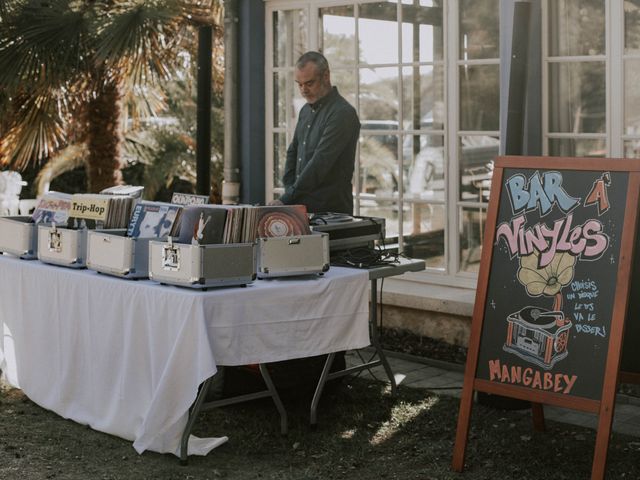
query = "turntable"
{"x": 347, "y": 232}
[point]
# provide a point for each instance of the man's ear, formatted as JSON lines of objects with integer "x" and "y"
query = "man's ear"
{"x": 327, "y": 77}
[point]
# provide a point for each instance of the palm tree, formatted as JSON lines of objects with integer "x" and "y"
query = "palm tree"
{"x": 68, "y": 66}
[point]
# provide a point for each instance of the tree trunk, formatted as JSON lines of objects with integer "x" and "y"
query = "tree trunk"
{"x": 104, "y": 138}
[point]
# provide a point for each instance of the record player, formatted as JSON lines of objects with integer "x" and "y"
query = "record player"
{"x": 347, "y": 232}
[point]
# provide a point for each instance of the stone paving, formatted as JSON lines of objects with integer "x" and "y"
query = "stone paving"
{"x": 447, "y": 379}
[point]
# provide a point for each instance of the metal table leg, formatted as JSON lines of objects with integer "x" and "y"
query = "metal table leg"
{"x": 368, "y": 365}
{"x": 200, "y": 405}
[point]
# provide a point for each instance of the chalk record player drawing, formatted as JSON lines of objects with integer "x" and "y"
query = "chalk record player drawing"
{"x": 536, "y": 334}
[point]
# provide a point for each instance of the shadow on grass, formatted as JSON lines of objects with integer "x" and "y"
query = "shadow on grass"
{"x": 363, "y": 433}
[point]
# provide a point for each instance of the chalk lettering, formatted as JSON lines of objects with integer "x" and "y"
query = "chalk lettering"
{"x": 528, "y": 377}
{"x": 587, "y": 240}
{"x": 539, "y": 192}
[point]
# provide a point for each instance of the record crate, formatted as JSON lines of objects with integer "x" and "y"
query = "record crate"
{"x": 294, "y": 255}
{"x": 19, "y": 237}
{"x": 113, "y": 253}
{"x": 202, "y": 266}
{"x": 62, "y": 246}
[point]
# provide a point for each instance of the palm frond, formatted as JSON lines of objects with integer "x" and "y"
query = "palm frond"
{"x": 42, "y": 43}
{"x": 67, "y": 159}
{"x": 37, "y": 131}
{"x": 136, "y": 38}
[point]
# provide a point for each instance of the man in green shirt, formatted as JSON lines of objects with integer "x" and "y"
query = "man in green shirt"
{"x": 320, "y": 160}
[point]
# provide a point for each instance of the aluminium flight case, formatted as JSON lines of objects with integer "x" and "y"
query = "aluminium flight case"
{"x": 19, "y": 237}
{"x": 113, "y": 253}
{"x": 62, "y": 246}
{"x": 294, "y": 255}
{"x": 202, "y": 266}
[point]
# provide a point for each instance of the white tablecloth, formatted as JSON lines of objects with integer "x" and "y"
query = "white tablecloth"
{"x": 126, "y": 357}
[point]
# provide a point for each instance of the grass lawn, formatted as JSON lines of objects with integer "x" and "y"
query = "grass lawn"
{"x": 363, "y": 433}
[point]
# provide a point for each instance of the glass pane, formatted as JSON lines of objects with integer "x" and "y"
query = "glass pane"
{"x": 472, "y": 222}
{"x": 423, "y": 227}
{"x": 569, "y": 147}
{"x": 379, "y": 165}
{"x": 632, "y": 149}
{"x": 423, "y": 97}
{"x": 577, "y": 97}
{"x": 576, "y": 27}
{"x": 632, "y": 26}
{"x": 287, "y": 100}
{"x": 632, "y": 97}
{"x": 422, "y": 39}
{"x": 289, "y": 36}
{"x": 379, "y": 94}
{"x": 338, "y": 35}
{"x": 279, "y": 158}
{"x": 477, "y": 154}
{"x": 479, "y": 97}
{"x": 345, "y": 80}
{"x": 373, "y": 207}
{"x": 479, "y": 29}
{"x": 424, "y": 167}
{"x": 378, "y": 33}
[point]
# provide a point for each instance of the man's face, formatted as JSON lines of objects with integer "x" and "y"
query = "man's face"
{"x": 312, "y": 85}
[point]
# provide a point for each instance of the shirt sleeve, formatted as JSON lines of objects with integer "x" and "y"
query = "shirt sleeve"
{"x": 340, "y": 129}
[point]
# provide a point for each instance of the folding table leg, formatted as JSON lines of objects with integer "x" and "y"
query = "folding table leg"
{"x": 193, "y": 415}
{"x": 375, "y": 336}
{"x": 313, "y": 416}
{"x": 276, "y": 398}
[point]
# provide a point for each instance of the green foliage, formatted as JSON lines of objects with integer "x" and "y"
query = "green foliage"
{"x": 59, "y": 57}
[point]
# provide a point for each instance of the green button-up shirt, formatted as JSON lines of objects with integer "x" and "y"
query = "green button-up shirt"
{"x": 321, "y": 158}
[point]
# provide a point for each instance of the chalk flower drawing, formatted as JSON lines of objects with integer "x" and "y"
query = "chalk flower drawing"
{"x": 549, "y": 279}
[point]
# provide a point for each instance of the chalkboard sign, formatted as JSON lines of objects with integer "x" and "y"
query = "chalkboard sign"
{"x": 547, "y": 318}
{"x": 553, "y": 287}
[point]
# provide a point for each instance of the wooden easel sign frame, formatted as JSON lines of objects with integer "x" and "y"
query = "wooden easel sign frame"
{"x": 553, "y": 289}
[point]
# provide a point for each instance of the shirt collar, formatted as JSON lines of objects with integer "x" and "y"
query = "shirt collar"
{"x": 324, "y": 100}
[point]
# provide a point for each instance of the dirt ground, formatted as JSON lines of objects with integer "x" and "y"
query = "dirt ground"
{"x": 364, "y": 433}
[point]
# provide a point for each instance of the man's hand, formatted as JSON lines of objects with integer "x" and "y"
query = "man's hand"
{"x": 275, "y": 202}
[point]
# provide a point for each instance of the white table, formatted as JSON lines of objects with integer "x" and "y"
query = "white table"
{"x": 126, "y": 357}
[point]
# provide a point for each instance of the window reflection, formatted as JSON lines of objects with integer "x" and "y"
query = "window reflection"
{"x": 576, "y": 28}
{"x": 424, "y": 167}
{"x": 289, "y": 36}
{"x": 477, "y": 154}
{"x": 577, "y": 97}
{"x": 279, "y": 158}
{"x": 338, "y": 35}
{"x": 471, "y": 238}
{"x": 423, "y": 97}
{"x": 632, "y": 26}
{"x": 378, "y": 33}
{"x": 479, "y": 29}
{"x": 632, "y": 97}
{"x": 379, "y": 94}
{"x": 422, "y": 39}
{"x": 479, "y": 97}
{"x": 569, "y": 147}
{"x": 424, "y": 227}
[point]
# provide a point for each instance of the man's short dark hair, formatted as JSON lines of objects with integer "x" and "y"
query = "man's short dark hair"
{"x": 316, "y": 58}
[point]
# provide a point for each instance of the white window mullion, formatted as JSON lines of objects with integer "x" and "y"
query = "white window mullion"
{"x": 615, "y": 78}
{"x": 545, "y": 77}
{"x": 399, "y": 152}
{"x": 356, "y": 15}
{"x": 452, "y": 99}
{"x": 268, "y": 110}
